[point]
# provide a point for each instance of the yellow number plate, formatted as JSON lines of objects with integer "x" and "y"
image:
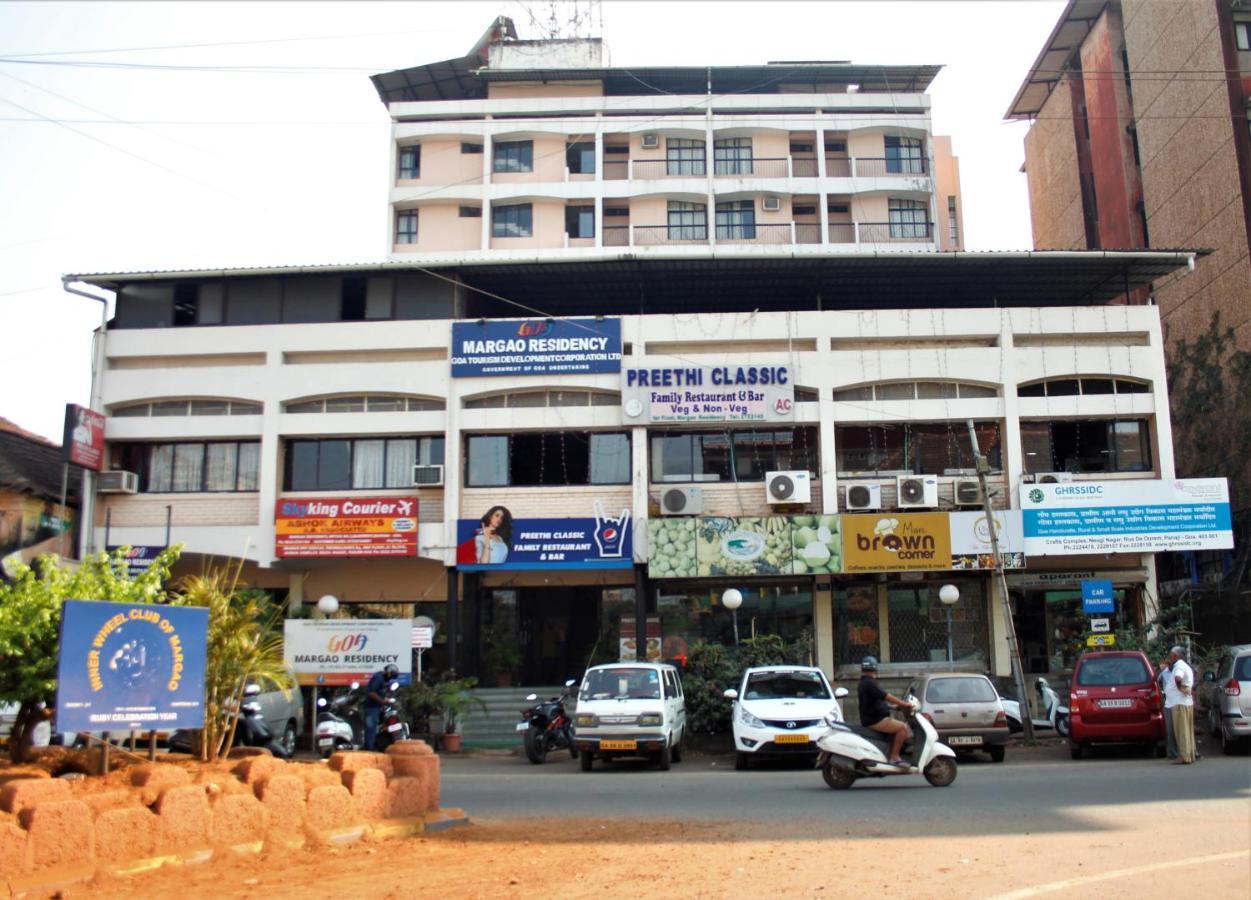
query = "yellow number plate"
{"x": 618, "y": 745}
{"x": 790, "y": 739}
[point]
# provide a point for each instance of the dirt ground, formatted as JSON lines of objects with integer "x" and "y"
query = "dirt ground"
{"x": 1152, "y": 850}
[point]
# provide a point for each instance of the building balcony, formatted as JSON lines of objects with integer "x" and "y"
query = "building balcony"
{"x": 772, "y": 234}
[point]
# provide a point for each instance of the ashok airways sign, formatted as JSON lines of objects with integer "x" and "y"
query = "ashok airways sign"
{"x": 345, "y": 526}
{"x": 708, "y": 394}
{"x": 536, "y": 347}
{"x": 1126, "y": 516}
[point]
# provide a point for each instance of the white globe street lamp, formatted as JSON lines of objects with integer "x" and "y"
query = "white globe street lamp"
{"x": 328, "y": 605}
{"x": 949, "y": 594}
{"x": 732, "y": 599}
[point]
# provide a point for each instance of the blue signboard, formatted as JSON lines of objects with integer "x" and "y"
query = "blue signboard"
{"x": 499, "y": 542}
{"x": 536, "y": 347}
{"x": 138, "y": 559}
{"x": 131, "y": 666}
{"x": 1098, "y": 597}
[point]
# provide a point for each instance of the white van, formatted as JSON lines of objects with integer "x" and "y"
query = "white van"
{"x": 630, "y": 710}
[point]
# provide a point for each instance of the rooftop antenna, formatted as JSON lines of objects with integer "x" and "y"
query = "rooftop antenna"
{"x": 555, "y": 20}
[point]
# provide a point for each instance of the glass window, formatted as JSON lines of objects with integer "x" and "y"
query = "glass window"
{"x": 140, "y": 410}
{"x": 937, "y": 390}
{"x": 368, "y": 464}
{"x": 903, "y": 156}
{"x": 744, "y": 455}
{"x": 580, "y": 221}
{"x": 731, "y": 156}
{"x": 1032, "y": 390}
{"x": 410, "y": 162}
{"x": 580, "y": 158}
{"x": 1130, "y": 449}
{"x": 487, "y": 460}
{"x": 953, "y": 226}
{"x": 186, "y": 304}
{"x": 905, "y": 390}
{"x": 978, "y": 391}
{"x": 188, "y": 467}
{"x": 692, "y": 612}
{"x": 1242, "y": 35}
{"x": 684, "y": 156}
{"x": 923, "y": 448}
{"x": 406, "y": 227}
{"x": 469, "y": 212}
{"x": 513, "y": 156}
{"x": 610, "y": 459}
{"x": 1063, "y": 387}
{"x": 221, "y": 467}
{"x": 345, "y": 404}
{"x": 249, "y": 466}
{"x": 385, "y": 404}
{"x": 301, "y": 466}
{"x": 1036, "y": 447}
{"x": 170, "y": 408}
{"x": 513, "y": 220}
{"x": 160, "y": 473}
{"x": 470, "y": 147}
{"x": 1096, "y": 386}
{"x": 687, "y": 221}
{"x": 736, "y": 220}
{"x": 862, "y": 392}
{"x": 908, "y": 218}
{"x": 918, "y": 624}
{"x": 401, "y": 456}
{"x": 192, "y": 467}
{"x": 528, "y": 400}
{"x": 1132, "y": 387}
{"x": 1087, "y": 446}
{"x": 334, "y": 465}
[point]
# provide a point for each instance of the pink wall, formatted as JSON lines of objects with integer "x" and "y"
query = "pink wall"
{"x": 549, "y": 160}
{"x": 443, "y": 163}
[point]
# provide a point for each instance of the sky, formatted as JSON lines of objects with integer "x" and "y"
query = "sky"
{"x": 151, "y": 135}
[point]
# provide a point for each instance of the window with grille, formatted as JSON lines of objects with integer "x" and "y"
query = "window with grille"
{"x": 904, "y": 156}
{"x": 731, "y": 156}
{"x": 410, "y": 162}
{"x": 684, "y": 156}
{"x": 193, "y": 466}
{"x": 908, "y": 219}
{"x": 406, "y": 227}
{"x": 687, "y": 221}
{"x": 514, "y": 220}
{"x": 513, "y": 156}
{"x": 736, "y": 220}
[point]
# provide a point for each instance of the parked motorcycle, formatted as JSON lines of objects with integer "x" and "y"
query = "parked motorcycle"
{"x": 337, "y": 727}
{"x": 391, "y": 727}
{"x": 547, "y": 726}
{"x": 250, "y": 731}
{"x": 1055, "y": 716}
{"x": 849, "y": 752}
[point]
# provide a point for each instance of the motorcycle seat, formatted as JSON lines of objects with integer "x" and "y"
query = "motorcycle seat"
{"x": 875, "y": 737}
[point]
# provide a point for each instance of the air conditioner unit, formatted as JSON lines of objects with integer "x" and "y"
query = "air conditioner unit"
{"x": 967, "y": 492}
{"x": 427, "y": 476}
{"x": 863, "y": 497}
{"x": 117, "y": 481}
{"x": 1052, "y": 477}
{"x": 788, "y": 487}
{"x": 651, "y": 141}
{"x": 916, "y": 491}
{"x": 681, "y": 501}
{"x": 771, "y": 204}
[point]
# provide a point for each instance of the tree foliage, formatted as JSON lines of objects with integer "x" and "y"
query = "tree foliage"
{"x": 30, "y": 623}
{"x": 711, "y": 668}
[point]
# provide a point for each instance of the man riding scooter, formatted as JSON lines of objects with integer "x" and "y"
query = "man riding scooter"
{"x": 375, "y": 699}
{"x": 875, "y": 705}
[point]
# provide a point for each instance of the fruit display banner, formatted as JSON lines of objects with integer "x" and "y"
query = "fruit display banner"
{"x": 715, "y": 546}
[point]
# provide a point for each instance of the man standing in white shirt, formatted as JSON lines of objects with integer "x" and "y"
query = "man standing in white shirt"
{"x": 1168, "y": 687}
{"x": 1183, "y": 711}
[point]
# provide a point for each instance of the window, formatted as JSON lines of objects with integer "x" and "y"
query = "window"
{"x": 841, "y": 208}
{"x": 469, "y": 212}
{"x": 953, "y": 226}
{"x": 352, "y": 299}
{"x": 410, "y": 162}
{"x": 379, "y": 403}
{"x": 533, "y": 459}
{"x": 687, "y": 221}
{"x": 736, "y": 220}
{"x": 193, "y": 467}
{"x": 339, "y": 464}
{"x": 514, "y": 220}
{"x": 731, "y": 456}
{"x": 543, "y": 399}
{"x": 468, "y": 147}
{"x": 187, "y": 408}
{"x": 513, "y": 156}
{"x": 1073, "y": 387}
{"x": 903, "y": 156}
{"x": 915, "y": 390}
{"x": 1090, "y": 445}
{"x": 613, "y": 212}
{"x": 920, "y": 448}
{"x": 804, "y": 210}
{"x": 835, "y": 146}
{"x": 731, "y": 156}
{"x": 406, "y": 227}
{"x": 684, "y": 156}
{"x": 801, "y": 147}
{"x": 580, "y": 221}
{"x": 580, "y": 158}
{"x": 908, "y": 219}
{"x": 1242, "y": 35}
{"x": 185, "y": 304}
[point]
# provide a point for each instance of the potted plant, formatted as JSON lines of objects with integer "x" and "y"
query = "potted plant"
{"x": 501, "y": 657}
{"x": 455, "y": 699}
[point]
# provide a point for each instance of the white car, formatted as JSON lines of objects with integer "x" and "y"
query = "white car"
{"x": 780, "y": 711}
{"x": 630, "y": 709}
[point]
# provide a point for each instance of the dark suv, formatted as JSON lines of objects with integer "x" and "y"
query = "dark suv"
{"x": 1114, "y": 698}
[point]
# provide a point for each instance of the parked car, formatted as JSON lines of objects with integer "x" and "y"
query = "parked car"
{"x": 966, "y": 711}
{"x": 1115, "y": 698}
{"x": 1227, "y": 692}
{"x": 779, "y": 711}
{"x": 282, "y": 711}
{"x": 630, "y": 710}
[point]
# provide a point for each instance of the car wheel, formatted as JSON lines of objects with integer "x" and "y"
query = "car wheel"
{"x": 677, "y": 747}
{"x": 1062, "y": 726}
{"x": 586, "y": 759}
{"x": 1229, "y": 746}
{"x": 996, "y": 752}
{"x": 664, "y": 759}
{"x": 1075, "y": 751}
{"x": 288, "y": 739}
{"x": 535, "y": 742}
{"x": 742, "y": 762}
{"x": 836, "y": 777}
{"x": 1214, "y": 722}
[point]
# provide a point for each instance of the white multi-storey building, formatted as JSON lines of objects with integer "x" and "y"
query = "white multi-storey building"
{"x": 252, "y": 405}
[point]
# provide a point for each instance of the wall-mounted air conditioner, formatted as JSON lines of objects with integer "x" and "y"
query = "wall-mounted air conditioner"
{"x": 1052, "y": 477}
{"x": 651, "y": 141}
{"x": 771, "y": 204}
{"x": 967, "y": 492}
{"x": 427, "y": 476}
{"x": 863, "y": 497}
{"x": 681, "y": 501}
{"x": 916, "y": 491}
{"x": 788, "y": 487}
{"x": 117, "y": 481}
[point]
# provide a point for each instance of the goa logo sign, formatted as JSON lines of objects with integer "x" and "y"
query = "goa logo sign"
{"x": 347, "y": 643}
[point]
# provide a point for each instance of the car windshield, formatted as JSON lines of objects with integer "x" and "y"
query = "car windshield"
{"x": 621, "y": 684}
{"x": 785, "y": 685}
{"x": 960, "y": 690}
{"x": 1096, "y": 671}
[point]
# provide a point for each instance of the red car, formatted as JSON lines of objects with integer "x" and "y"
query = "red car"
{"x": 1114, "y": 698}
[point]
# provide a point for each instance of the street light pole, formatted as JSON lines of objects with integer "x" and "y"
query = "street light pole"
{"x": 949, "y": 594}
{"x": 732, "y": 599}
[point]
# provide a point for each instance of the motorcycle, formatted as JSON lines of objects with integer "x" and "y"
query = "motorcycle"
{"x": 849, "y": 752}
{"x": 336, "y": 727}
{"x": 546, "y": 726}
{"x": 391, "y": 727}
{"x": 250, "y": 731}
{"x": 1055, "y": 716}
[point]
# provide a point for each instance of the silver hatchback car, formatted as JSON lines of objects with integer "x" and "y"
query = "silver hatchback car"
{"x": 1228, "y": 693}
{"x": 965, "y": 710}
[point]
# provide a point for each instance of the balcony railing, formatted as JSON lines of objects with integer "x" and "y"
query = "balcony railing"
{"x": 773, "y": 234}
{"x": 875, "y": 167}
{"x": 842, "y": 232}
{"x": 804, "y": 166}
{"x": 751, "y": 168}
{"x": 616, "y": 235}
{"x": 837, "y": 167}
{"x": 648, "y": 169}
{"x": 754, "y": 234}
{"x": 883, "y": 232}
{"x": 616, "y": 170}
{"x": 807, "y": 232}
{"x": 651, "y": 235}
{"x": 767, "y": 167}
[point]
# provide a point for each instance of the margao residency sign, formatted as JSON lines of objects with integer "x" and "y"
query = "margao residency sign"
{"x": 536, "y": 347}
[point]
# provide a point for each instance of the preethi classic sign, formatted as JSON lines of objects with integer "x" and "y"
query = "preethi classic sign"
{"x": 707, "y": 394}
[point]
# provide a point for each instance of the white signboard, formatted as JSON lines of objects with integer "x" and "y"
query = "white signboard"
{"x": 733, "y": 393}
{"x": 423, "y": 637}
{"x": 1126, "y": 516}
{"x": 342, "y": 651}
{"x": 970, "y": 539}
{"x": 1100, "y": 626}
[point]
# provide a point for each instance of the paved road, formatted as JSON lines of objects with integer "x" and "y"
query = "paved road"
{"x": 1040, "y": 789}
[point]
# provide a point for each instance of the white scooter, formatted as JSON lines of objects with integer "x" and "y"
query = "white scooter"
{"x": 1055, "y": 717}
{"x": 849, "y": 752}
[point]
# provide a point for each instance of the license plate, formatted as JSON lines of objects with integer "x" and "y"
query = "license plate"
{"x": 326, "y": 742}
{"x": 522, "y": 726}
{"x": 1115, "y": 704}
{"x": 790, "y": 739}
{"x": 395, "y": 726}
{"x": 964, "y": 741}
{"x": 618, "y": 745}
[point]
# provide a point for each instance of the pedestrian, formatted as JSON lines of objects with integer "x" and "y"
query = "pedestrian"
{"x": 1168, "y": 688}
{"x": 1183, "y": 711}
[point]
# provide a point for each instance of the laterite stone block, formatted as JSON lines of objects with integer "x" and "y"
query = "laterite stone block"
{"x": 24, "y": 793}
{"x": 425, "y": 769}
{"x": 238, "y": 819}
{"x": 329, "y": 808}
{"x": 405, "y": 797}
{"x": 184, "y": 814}
{"x": 256, "y": 768}
{"x": 368, "y": 788}
{"x": 153, "y": 779}
{"x": 318, "y": 776}
{"x": 409, "y": 748}
{"x": 345, "y": 761}
{"x": 61, "y": 833}
{"x": 126, "y": 833}
{"x": 283, "y": 798}
{"x": 13, "y": 844}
